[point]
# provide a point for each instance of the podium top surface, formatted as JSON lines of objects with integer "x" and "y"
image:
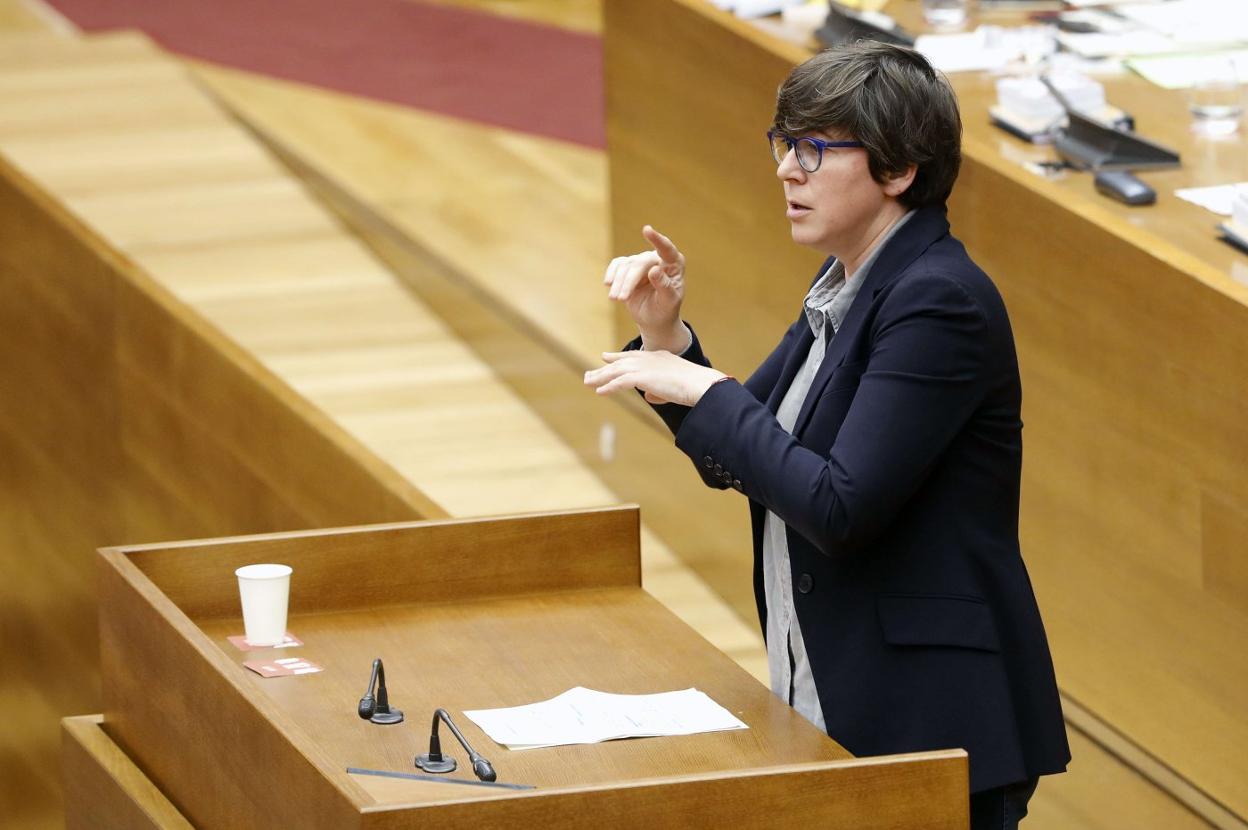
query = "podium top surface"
{"x": 509, "y": 652}
{"x": 466, "y": 615}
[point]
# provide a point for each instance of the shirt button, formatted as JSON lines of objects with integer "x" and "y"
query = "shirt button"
{"x": 805, "y": 583}
{"x": 708, "y": 462}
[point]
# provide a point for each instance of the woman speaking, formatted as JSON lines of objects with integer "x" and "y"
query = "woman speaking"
{"x": 879, "y": 445}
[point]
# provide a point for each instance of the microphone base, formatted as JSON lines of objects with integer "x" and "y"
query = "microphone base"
{"x": 447, "y": 764}
{"x": 387, "y": 718}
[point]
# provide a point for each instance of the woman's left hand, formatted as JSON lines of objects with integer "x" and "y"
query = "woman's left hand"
{"x": 662, "y": 376}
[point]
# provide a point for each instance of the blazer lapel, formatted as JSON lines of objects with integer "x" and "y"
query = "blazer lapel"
{"x": 920, "y": 231}
{"x": 835, "y": 353}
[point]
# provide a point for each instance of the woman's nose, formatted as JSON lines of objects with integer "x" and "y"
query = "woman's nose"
{"x": 789, "y": 168}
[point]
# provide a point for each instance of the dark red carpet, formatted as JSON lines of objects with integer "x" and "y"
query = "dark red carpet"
{"x": 522, "y": 76}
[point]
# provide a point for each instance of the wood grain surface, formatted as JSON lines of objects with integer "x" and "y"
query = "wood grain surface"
{"x": 510, "y": 652}
{"x": 103, "y": 787}
{"x": 123, "y": 415}
{"x": 173, "y": 682}
{"x": 894, "y": 792}
{"x": 444, "y": 561}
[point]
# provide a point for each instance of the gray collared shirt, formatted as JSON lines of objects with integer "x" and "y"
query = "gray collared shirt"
{"x": 827, "y": 304}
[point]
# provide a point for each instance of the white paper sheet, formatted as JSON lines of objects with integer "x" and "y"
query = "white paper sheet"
{"x": 586, "y": 716}
{"x": 964, "y": 52}
{"x": 1181, "y": 71}
{"x": 1172, "y": 27}
{"x": 1192, "y": 21}
{"x": 1218, "y": 198}
{"x": 1100, "y": 44}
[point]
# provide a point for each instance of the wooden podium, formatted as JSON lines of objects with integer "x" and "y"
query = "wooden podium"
{"x": 466, "y": 614}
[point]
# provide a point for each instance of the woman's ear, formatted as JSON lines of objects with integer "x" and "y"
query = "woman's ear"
{"x": 899, "y": 183}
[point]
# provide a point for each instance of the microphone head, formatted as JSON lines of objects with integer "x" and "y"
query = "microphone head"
{"x": 367, "y": 707}
{"x": 483, "y": 770}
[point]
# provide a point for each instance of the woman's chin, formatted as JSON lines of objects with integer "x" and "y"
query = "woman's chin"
{"x": 806, "y": 239}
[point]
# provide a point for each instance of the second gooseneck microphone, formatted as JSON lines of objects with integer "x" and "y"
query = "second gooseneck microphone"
{"x": 378, "y": 709}
{"x": 435, "y": 761}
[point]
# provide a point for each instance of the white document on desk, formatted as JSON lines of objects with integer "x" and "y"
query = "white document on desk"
{"x": 586, "y": 716}
{"x": 1182, "y": 71}
{"x": 1217, "y": 198}
{"x": 1192, "y": 21}
{"x": 1116, "y": 44}
{"x": 964, "y": 52}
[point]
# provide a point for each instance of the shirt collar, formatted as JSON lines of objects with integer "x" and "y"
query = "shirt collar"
{"x": 829, "y": 299}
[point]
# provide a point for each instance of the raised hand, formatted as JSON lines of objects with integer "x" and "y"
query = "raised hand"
{"x": 651, "y": 285}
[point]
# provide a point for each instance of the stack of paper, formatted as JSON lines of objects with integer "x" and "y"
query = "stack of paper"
{"x": 585, "y": 716}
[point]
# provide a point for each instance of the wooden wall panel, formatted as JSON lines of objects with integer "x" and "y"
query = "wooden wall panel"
{"x": 909, "y": 793}
{"x": 126, "y": 418}
{"x": 1135, "y": 434}
{"x": 1223, "y": 527}
{"x": 104, "y": 789}
{"x": 57, "y": 412}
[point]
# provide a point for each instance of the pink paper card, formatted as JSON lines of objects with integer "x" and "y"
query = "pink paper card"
{"x": 240, "y": 642}
{"x": 283, "y": 667}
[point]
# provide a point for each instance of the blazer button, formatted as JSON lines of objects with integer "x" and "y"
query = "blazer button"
{"x": 708, "y": 462}
{"x": 726, "y": 477}
{"x": 805, "y": 583}
{"x": 736, "y": 485}
{"x": 719, "y": 470}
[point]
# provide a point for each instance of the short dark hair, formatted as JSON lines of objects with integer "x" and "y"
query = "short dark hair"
{"x": 889, "y": 98}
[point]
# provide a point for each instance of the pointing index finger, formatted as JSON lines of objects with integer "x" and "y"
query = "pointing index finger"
{"x": 662, "y": 245}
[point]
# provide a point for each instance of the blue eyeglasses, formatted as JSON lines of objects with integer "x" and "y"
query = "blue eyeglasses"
{"x": 809, "y": 151}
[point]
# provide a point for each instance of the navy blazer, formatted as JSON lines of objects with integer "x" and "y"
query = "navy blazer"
{"x": 899, "y": 487}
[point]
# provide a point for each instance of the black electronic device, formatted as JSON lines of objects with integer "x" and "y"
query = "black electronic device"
{"x": 843, "y": 26}
{"x": 1077, "y": 26}
{"x": 435, "y": 761}
{"x": 378, "y": 709}
{"x": 1124, "y": 186}
{"x": 1088, "y": 144}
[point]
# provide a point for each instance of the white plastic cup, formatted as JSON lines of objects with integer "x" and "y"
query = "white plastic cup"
{"x": 264, "y": 591}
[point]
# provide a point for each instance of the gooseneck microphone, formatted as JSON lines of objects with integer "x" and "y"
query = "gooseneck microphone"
{"x": 378, "y": 710}
{"x": 435, "y": 761}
